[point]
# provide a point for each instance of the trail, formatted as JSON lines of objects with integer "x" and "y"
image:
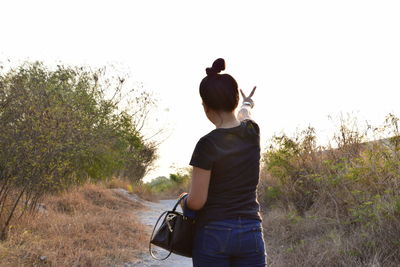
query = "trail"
{"x": 148, "y": 217}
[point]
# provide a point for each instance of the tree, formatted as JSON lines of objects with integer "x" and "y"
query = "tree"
{"x": 57, "y": 129}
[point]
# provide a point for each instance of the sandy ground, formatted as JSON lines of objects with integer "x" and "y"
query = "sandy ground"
{"x": 148, "y": 217}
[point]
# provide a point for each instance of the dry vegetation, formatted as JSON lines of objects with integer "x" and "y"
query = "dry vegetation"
{"x": 87, "y": 226}
{"x": 168, "y": 187}
{"x": 139, "y": 188}
{"x": 61, "y": 127}
{"x": 333, "y": 206}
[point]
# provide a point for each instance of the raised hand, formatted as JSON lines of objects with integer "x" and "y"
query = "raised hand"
{"x": 248, "y": 98}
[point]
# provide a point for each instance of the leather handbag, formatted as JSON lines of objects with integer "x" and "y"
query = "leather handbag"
{"x": 175, "y": 233}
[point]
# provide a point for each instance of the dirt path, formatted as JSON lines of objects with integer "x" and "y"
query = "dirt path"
{"x": 148, "y": 217}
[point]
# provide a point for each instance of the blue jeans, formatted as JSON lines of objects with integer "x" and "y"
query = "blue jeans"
{"x": 234, "y": 242}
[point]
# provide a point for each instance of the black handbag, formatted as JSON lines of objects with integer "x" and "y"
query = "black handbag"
{"x": 175, "y": 233}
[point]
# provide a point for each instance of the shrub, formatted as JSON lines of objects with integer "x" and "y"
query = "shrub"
{"x": 58, "y": 129}
{"x": 172, "y": 186}
{"x": 334, "y": 206}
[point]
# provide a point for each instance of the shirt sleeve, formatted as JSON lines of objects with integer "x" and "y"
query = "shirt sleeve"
{"x": 253, "y": 127}
{"x": 203, "y": 154}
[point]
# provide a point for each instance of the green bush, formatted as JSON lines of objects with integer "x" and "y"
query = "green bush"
{"x": 57, "y": 129}
{"x": 173, "y": 185}
{"x": 345, "y": 198}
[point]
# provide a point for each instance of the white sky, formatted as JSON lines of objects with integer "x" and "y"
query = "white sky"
{"x": 309, "y": 59}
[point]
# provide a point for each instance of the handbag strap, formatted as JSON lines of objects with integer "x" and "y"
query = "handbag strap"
{"x": 155, "y": 226}
{"x": 152, "y": 235}
{"x": 179, "y": 201}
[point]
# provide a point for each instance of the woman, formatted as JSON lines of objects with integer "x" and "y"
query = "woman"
{"x": 225, "y": 175}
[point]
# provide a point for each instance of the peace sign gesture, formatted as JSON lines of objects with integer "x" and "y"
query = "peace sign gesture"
{"x": 248, "y": 98}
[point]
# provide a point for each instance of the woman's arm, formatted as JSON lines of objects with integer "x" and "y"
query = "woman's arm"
{"x": 248, "y": 103}
{"x": 198, "y": 189}
{"x": 244, "y": 112}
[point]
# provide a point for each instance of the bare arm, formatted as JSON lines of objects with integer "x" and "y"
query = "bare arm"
{"x": 244, "y": 113}
{"x": 198, "y": 189}
{"x": 248, "y": 103}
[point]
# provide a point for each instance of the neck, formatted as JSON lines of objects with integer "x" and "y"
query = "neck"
{"x": 225, "y": 120}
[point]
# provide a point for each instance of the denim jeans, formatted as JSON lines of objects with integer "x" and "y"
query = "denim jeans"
{"x": 235, "y": 242}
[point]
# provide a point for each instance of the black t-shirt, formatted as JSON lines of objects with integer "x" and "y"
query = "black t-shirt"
{"x": 233, "y": 156}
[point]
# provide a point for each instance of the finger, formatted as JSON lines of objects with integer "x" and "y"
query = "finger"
{"x": 243, "y": 95}
{"x": 252, "y": 92}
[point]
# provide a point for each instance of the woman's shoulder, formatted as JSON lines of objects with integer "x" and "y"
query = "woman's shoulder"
{"x": 251, "y": 125}
{"x": 248, "y": 128}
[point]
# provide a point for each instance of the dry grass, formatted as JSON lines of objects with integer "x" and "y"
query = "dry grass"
{"x": 88, "y": 226}
{"x": 118, "y": 183}
{"x": 320, "y": 241}
{"x": 139, "y": 189}
{"x": 145, "y": 192}
{"x": 333, "y": 207}
{"x": 148, "y": 192}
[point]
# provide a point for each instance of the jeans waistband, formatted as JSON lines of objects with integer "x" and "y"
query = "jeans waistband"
{"x": 238, "y": 221}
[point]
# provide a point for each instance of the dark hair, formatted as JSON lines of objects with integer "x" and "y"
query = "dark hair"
{"x": 219, "y": 91}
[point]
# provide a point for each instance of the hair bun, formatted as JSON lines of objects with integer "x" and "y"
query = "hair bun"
{"x": 217, "y": 67}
